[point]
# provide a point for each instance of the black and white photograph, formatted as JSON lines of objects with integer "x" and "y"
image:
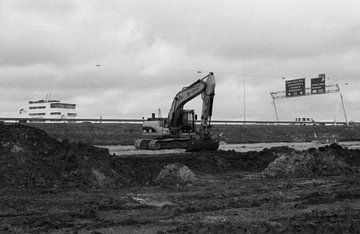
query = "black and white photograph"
{"x": 192, "y": 116}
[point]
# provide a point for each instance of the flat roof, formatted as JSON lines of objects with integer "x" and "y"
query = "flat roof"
{"x": 43, "y": 101}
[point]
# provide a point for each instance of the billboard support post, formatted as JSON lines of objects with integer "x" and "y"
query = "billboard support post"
{"x": 273, "y": 96}
{"x": 277, "y": 117}
{"x": 343, "y": 106}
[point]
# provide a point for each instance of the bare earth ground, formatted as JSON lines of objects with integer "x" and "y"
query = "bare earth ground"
{"x": 50, "y": 186}
{"x": 126, "y": 134}
{"x": 217, "y": 203}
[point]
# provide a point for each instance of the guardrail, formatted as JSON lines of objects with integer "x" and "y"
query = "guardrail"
{"x": 77, "y": 120}
{"x": 139, "y": 121}
{"x": 261, "y": 122}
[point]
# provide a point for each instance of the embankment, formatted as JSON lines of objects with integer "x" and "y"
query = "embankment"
{"x": 126, "y": 134}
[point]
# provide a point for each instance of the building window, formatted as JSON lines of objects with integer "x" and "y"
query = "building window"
{"x": 55, "y": 113}
{"x": 36, "y": 114}
{"x": 62, "y": 105}
{"x": 72, "y": 114}
{"x": 36, "y": 107}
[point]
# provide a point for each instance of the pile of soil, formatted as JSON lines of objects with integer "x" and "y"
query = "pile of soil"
{"x": 174, "y": 174}
{"x": 29, "y": 158}
{"x": 327, "y": 161}
{"x": 143, "y": 169}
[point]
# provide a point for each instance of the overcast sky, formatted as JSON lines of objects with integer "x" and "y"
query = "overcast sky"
{"x": 149, "y": 50}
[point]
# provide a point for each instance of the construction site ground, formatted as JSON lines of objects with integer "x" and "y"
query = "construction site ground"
{"x": 87, "y": 190}
{"x": 216, "y": 203}
{"x": 126, "y": 134}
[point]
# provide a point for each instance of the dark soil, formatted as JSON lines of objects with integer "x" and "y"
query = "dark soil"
{"x": 327, "y": 161}
{"x": 51, "y": 186}
{"x": 31, "y": 159}
{"x": 126, "y": 134}
{"x": 144, "y": 169}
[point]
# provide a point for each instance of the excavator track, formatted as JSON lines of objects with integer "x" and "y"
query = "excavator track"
{"x": 142, "y": 143}
{"x": 157, "y": 144}
{"x": 171, "y": 143}
{"x": 194, "y": 143}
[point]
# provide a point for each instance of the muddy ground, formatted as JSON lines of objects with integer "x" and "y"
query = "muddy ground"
{"x": 235, "y": 202}
{"x": 231, "y": 194}
{"x": 126, "y": 134}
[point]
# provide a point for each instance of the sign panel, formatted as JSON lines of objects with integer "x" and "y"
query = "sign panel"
{"x": 295, "y": 88}
{"x": 318, "y": 85}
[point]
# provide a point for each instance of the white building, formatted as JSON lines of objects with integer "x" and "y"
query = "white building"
{"x": 49, "y": 109}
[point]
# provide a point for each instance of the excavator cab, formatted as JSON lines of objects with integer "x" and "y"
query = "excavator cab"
{"x": 187, "y": 121}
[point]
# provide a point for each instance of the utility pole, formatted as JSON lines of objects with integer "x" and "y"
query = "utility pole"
{"x": 244, "y": 91}
{"x": 244, "y": 101}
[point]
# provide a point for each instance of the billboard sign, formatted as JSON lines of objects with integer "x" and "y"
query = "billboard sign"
{"x": 318, "y": 84}
{"x": 295, "y": 88}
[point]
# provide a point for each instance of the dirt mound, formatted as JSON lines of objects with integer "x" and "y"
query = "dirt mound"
{"x": 175, "y": 173}
{"x": 350, "y": 156}
{"x": 307, "y": 224}
{"x": 29, "y": 158}
{"x": 144, "y": 169}
{"x": 327, "y": 161}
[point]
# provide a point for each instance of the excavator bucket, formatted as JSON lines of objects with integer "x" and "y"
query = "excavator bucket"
{"x": 199, "y": 143}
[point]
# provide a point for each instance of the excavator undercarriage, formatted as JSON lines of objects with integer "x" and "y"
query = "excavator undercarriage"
{"x": 166, "y": 143}
{"x": 193, "y": 143}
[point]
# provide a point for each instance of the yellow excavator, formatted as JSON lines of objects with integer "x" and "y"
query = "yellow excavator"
{"x": 178, "y": 130}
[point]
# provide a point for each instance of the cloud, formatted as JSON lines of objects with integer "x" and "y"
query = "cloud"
{"x": 256, "y": 29}
{"x": 149, "y": 50}
{"x": 64, "y": 33}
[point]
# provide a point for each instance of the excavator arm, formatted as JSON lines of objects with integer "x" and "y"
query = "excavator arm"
{"x": 208, "y": 99}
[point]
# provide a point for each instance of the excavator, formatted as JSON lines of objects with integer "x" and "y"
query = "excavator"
{"x": 178, "y": 130}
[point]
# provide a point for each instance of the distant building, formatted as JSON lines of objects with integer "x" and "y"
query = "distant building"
{"x": 49, "y": 109}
